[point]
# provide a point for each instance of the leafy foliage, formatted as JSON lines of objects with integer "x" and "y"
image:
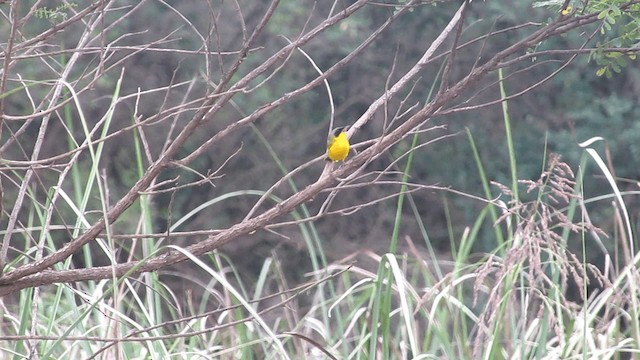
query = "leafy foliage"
{"x": 57, "y": 14}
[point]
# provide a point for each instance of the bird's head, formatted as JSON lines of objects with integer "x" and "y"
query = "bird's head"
{"x": 337, "y": 131}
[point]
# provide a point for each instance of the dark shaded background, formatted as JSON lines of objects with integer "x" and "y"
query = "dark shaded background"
{"x": 571, "y": 107}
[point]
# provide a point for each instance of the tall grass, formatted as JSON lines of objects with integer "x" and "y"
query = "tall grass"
{"x": 512, "y": 303}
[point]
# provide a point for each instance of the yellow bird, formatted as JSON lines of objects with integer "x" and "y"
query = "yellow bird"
{"x": 337, "y": 145}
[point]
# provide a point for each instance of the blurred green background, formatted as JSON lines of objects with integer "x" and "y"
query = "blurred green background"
{"x": 573, "y": 106}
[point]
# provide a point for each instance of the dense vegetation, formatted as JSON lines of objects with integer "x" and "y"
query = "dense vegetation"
{"x": 164, "y": 188}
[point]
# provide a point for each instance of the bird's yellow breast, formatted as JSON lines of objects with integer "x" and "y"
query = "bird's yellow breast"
{"x": 338, "y": 148}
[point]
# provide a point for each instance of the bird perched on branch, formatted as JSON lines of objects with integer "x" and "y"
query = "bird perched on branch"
{"x": 338, "y": 145}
